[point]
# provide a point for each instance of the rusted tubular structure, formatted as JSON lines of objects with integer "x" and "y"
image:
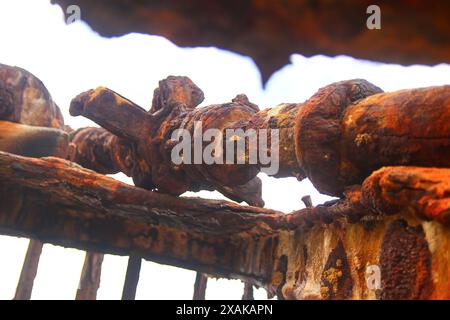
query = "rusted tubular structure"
{"x": 336, "y": 138}
{"x": 339, "y": 142}
{"x": 144, "y": 150}
{"x": 278, "y": 251}
{"x": 32, "y": 141}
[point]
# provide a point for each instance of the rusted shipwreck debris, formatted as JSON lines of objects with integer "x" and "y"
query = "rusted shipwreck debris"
{"x": 385, "y": 155}
{"x": 270, "y": 31}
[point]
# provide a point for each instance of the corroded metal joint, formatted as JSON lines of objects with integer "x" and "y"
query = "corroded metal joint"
{"x": 318, "y": 132}
{"x": 349, "y": 129}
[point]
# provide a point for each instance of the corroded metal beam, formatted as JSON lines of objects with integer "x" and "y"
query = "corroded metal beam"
{"x": 128, "y": 219}
{"x": 284, "y": 253}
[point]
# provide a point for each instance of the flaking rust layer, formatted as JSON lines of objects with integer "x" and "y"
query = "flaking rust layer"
{"x": 411, "y": 257}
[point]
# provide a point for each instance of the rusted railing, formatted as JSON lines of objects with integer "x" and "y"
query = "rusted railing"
{"x": 91, "y": 274}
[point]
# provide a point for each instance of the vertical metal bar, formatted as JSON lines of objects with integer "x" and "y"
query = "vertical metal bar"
{"x": 131, "y": 278}
{"x": 201, "y": 282}
{"x": 307, "y": 201}
{"x": 248, "y": 292}
{"x": 248, "y": 289}
{"x": 29, "y": 270}
{"x": 90, "y": 276}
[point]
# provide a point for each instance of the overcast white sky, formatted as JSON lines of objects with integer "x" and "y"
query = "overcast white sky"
{"x": 72, "y": 58}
